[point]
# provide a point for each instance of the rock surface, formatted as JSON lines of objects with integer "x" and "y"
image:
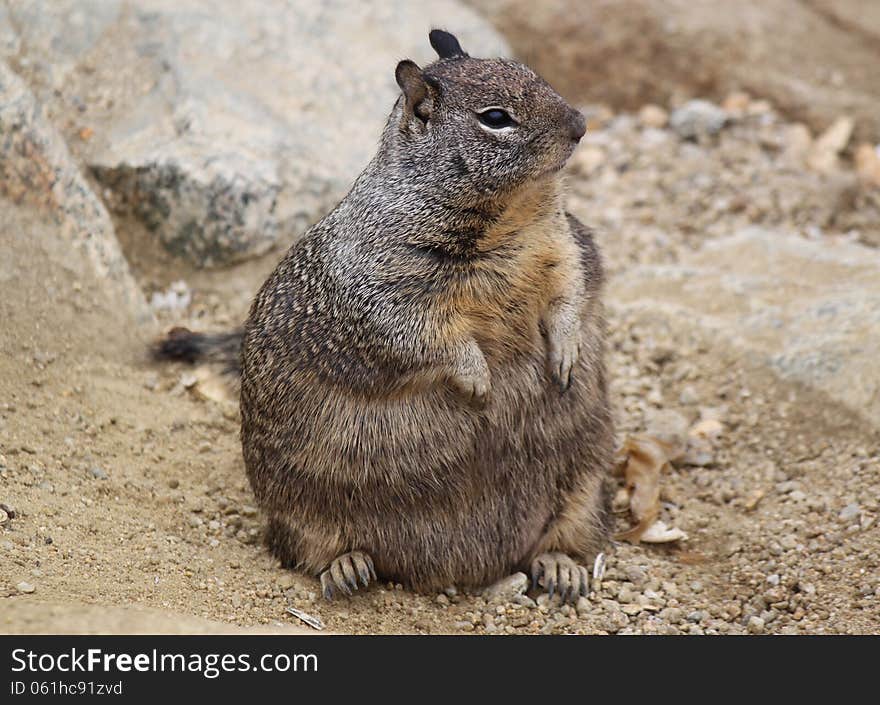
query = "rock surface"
{"x": 810, "y": 310}
{"x": 226, "y": 128}
{"x": 38, "y": 174}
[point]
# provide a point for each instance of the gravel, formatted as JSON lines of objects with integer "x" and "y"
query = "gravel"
{"x": 786, "y": 562}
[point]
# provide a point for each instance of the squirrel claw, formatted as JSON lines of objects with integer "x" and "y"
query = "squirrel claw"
{"x": 343, "y": 574}
{"x": 558, "y": 574}
{"x": 561, "y": 361}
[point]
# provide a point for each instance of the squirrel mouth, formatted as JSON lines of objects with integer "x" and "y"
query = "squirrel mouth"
{"x": 555, "y": 168}
{"x": 560, "y": 163}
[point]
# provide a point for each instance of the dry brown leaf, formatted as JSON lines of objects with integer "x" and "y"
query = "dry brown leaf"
{"x": 640, "y": 461}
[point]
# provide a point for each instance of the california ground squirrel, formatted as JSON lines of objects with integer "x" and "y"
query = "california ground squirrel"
{"x": 423, "y": 391}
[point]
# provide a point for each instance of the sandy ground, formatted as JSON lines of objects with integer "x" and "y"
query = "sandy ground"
{"x": 124, "y": 487}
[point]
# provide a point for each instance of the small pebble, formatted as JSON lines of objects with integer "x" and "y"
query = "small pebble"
{"x": 850, "y": 512}
{"x": 507, "y": 588}
{"x": 756, "y": 625}
{"x": 653, "y": 116}
{"x": 286, "y": 581}
{"x": 671, "y": 615}
{"x": 788, "y": 542}
{"x": 697, "y": 118}
{"x": 689, "y": 396}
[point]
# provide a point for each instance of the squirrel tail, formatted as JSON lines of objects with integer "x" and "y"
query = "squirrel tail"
{"x": 185, "y": 345}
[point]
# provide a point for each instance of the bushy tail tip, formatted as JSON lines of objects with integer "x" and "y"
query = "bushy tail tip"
{"x": 186, "y": 346}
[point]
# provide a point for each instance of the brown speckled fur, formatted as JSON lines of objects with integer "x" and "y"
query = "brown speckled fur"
{"x": 452, "y": 248}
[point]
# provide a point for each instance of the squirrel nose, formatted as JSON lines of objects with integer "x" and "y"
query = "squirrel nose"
{"x": 577, "y": 126}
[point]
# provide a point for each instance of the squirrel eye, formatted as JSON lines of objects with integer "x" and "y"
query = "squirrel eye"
{"x": 496, "y": 118}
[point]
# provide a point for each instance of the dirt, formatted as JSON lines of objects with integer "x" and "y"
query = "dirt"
{"x": 127, "y": 507}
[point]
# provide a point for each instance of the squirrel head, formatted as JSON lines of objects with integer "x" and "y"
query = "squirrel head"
{"x": 480, "y": 128}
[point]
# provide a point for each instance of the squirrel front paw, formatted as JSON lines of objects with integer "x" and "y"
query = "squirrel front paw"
{"x": 562, "y": 326}
{"x": 473, "y": 389}
{"x": 562, "y": 356}
{"x": 469, "y": 376}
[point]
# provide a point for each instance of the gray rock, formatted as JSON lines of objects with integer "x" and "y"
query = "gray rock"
{"x": 697, "y": 118}
{"x": 226, "y": 127}
{"x": 808, "y": 310}
{"x": 672, "y": 615}
{"x": 788, "y": 542}
{"x": 524, "y": 601}
{"x": 755, "y": 625}
{"x": 670, "y": 426}
{"x": 507, "y": 589}
{"x": 98, "y": 473}
{"x": 625, "y": 595}
{"x": 635, "y": 574}
{"x": 584, "y": 607}
{"x": 850, "y": 512}
{"x": 25, "y": 588}
{"x": 689, "y": 396}
{"x": 699, "y": 454}
{"x": 38, "y": 175}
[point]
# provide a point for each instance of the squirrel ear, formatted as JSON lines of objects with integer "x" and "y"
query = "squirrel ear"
{"x": 416, "y": 90}
{"x": 445, "y": 44}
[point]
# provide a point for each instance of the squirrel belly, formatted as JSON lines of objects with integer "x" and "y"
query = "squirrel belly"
{"x": 343, "y": 456}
